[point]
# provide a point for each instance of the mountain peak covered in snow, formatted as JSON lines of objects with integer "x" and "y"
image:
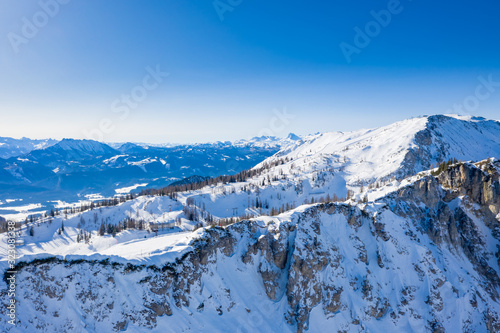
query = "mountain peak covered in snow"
{"x": 10, "y": 147}
{"x": 293, "y": 137}
{"x": 269, "y": 141}
{"x": 68, "y": 151}
{"x": 131, "y": 148}
{"x": 84, "y": 146}
{"x": 400, "y": 149}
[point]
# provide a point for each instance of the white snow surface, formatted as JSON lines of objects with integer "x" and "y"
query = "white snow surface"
{"x": 129, "y": 245}
{"x": 368, "y": 155}
{"x": 125, "y": 190}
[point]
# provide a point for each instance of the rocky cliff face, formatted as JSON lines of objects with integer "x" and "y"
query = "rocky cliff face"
{"x": 423, "y": 258}
{"x": 446, "y": 137}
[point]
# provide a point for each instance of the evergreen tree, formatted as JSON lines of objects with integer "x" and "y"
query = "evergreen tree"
{"x": 102, "y": 230}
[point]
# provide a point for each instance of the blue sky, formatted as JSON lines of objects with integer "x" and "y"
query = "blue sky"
{"x": 227, "y": 79}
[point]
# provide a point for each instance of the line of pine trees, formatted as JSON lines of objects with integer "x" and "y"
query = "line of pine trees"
{"x": 127, "y": 223}
{"x": 191, "y": 212}
{"x": 242, "y": 176}
{"x": 443, "y": 166}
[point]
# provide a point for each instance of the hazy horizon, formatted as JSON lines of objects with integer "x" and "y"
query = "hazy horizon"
{"x": 159, "y": 143}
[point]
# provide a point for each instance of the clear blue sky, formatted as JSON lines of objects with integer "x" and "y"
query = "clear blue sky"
{"x": 227, "y": 76}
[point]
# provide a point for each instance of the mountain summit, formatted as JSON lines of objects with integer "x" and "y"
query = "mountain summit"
{"x": 82, "y": 147}
{"x": 401, "y": 149}
{"x": 71, "y": 151}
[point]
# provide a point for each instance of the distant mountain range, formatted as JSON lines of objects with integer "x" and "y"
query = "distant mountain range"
{"x": 68, "y": 170}
{"x": 10, "y": 147}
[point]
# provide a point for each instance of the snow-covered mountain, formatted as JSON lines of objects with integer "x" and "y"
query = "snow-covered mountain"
{"x": 71, "y": 151}
{"x": 329, "y": 165}
{"x": 423, "y": 256}
{"x": 10, "y": 147}
{"x": 269, "y": 141}
{"x": 400, "y": 149}
{"x": 303, "y": 169}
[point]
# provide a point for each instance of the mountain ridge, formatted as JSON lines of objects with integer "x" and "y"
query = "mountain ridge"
{"x": 398, "y": 148}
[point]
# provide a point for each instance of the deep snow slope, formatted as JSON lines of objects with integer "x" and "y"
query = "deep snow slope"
{"x": 423, "y": 257}
{"x": 401, "y": 149}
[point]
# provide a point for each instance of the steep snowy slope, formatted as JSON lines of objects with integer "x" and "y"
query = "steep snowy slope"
{"x": 329, "y": 165}
{"x": 401, "y": 149}
{"x": 421, "y": 258}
